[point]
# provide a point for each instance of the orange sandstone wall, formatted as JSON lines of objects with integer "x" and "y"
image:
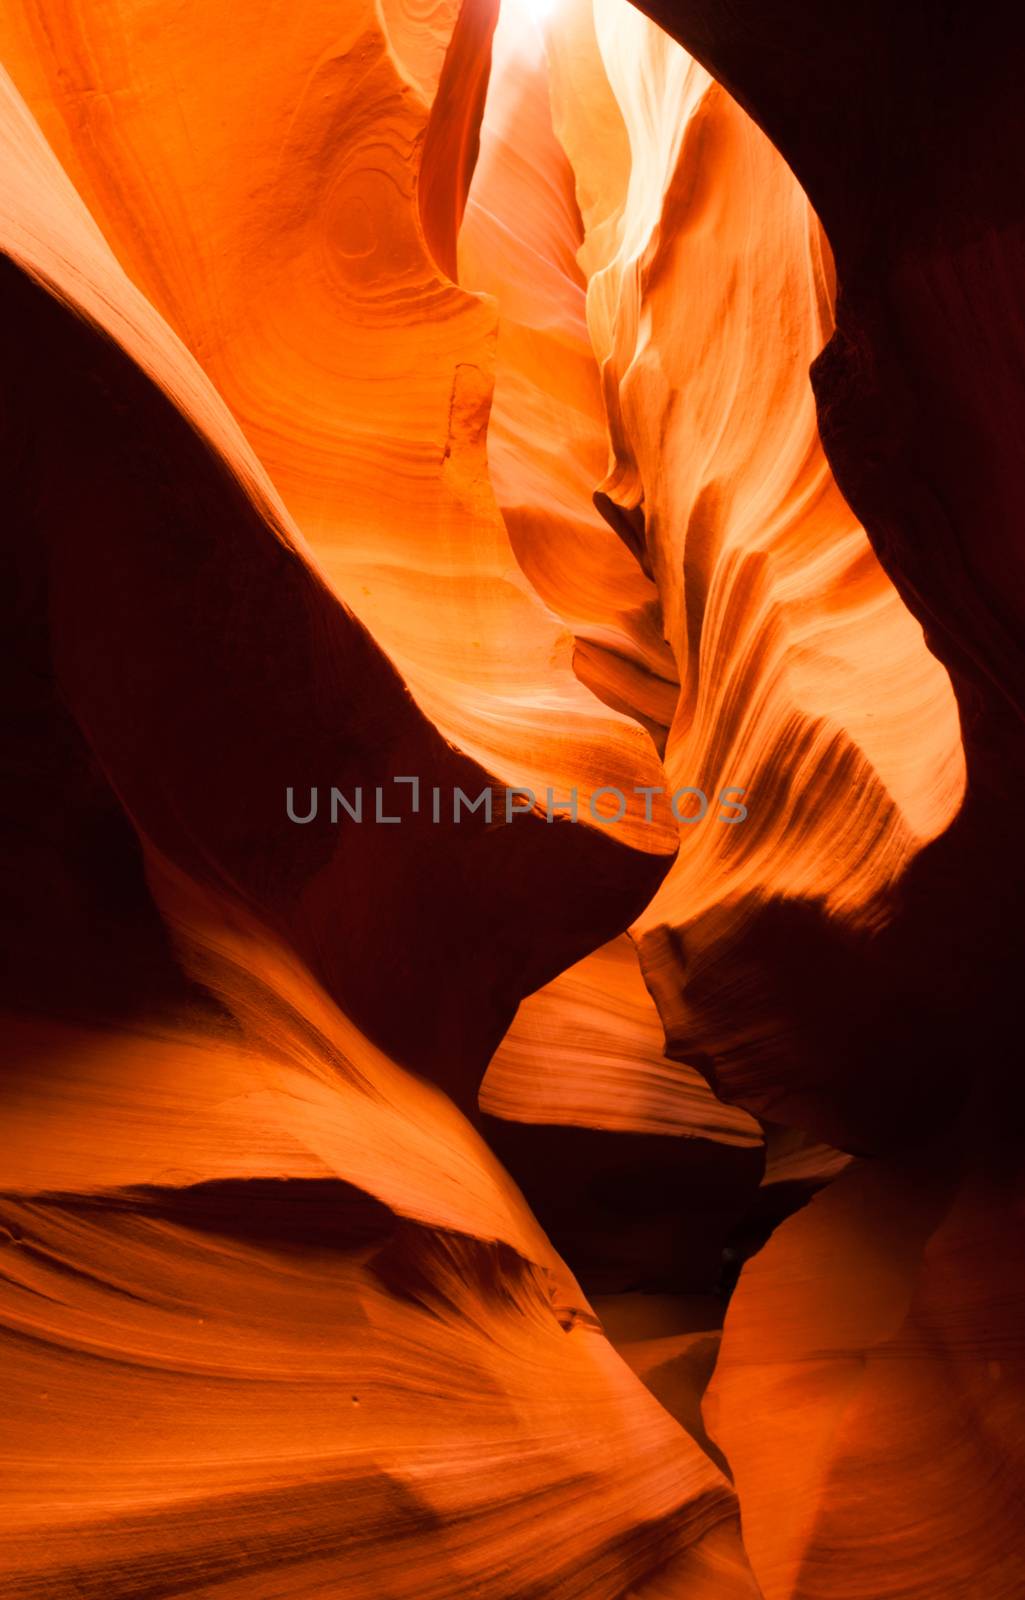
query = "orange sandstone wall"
{"x": 549, "y": 1200}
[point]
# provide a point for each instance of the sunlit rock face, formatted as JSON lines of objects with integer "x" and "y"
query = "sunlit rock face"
{"x": 405, "y": 1196}
{"x": 707, "y": 289}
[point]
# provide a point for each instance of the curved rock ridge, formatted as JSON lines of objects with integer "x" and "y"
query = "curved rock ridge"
{"x": 868, "y": 1395}
{"x": 594, "y": 1104}
{"x": 421, "y": 399}
{"x": 249, "y": 689}
{"x": 392, "y": 1441}
{"x": 785, "y": 631}
{"x": 805, "y": 682}
{"x": 878, "y": 1336}
{"x": 585, "y": 1108}
{"x": 273, "y": 215}
{"x": 664, "y": 219}
{"x": 272, "y": 1313}
{"x": 279, "y": 1084}
{"x": 547, "y": 438}
{"x": 287, "y": 1319}
{"x": 919, "y": 399}
{"x": 588, "y": 1049}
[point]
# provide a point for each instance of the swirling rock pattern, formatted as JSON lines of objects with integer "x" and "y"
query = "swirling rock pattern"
{"x": 402, "y": 399}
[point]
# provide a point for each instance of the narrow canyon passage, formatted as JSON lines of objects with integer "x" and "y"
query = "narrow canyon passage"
{"x": 514, "y": 699}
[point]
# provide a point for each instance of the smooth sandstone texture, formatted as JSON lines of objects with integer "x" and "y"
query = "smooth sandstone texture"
{"x": 134, "y": 465}
{"x": 396, "y": 389}
{"x": 803, "y": 679}
{"x": 878, "y": 1334}
{"x": 235, "y": 1230}
{"x": 919, "y": 401}
{"x": 274, "y": 1314}
{"x": 274, "y": 215}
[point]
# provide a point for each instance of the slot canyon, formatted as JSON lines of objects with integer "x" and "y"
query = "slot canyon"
{"x": 489, "y": 1190}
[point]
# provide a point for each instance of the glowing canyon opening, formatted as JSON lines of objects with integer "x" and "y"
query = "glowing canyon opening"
{"x": 411, "y": 406}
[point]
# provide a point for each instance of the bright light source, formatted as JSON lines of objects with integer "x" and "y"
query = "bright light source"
{"x": 529, "y": 11}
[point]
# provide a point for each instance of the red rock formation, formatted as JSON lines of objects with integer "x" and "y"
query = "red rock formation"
{"x": 877, "y": 1339}
{"x": 181, "y": 1219}
{"x": 869, "y": 1386}
{"x": 408, "y": 400}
